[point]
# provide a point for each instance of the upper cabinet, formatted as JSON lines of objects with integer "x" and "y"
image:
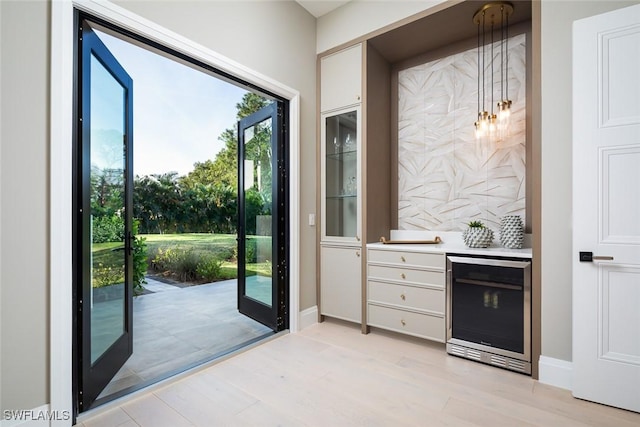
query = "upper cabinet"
{"x": 341, "y": 78}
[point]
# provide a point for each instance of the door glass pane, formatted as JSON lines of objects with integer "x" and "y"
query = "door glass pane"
{"x": 341, "y": 175}
{"x": 258, "y": 208}
{"x": 107, "y": 195}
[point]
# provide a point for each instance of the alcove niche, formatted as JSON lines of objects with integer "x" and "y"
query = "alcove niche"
{"x": 446, "y": 176}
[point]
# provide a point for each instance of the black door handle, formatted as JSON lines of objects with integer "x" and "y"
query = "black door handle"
{"x": 589, "y": 257}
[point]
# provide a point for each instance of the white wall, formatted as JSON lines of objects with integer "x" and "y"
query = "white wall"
{"x": 557, "y": 18}
{"x": 24, "y": 50}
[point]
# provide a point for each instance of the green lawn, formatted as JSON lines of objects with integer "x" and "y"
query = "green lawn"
{"x": 222, "y": 246}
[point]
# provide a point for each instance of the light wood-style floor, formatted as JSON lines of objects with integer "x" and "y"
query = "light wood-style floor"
{"x": 331, "y": 375}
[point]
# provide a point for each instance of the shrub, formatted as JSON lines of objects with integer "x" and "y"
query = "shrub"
{"x": 162, "y": 259}
{"x": 249, "y": 251}
{"x": 209, "y": 267}
{"x": 225, "y": 252}
{"x": 139, "y": 261}
{"x": 107, "y": 229}
{"x": 183, "y": 263}
{"x": 106, "y": 276}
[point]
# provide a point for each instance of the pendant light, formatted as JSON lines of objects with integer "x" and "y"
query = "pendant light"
{"x": 487, "y": 18}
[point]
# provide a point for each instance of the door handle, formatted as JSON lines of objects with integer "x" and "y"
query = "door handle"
{"x": 590, "y": 257}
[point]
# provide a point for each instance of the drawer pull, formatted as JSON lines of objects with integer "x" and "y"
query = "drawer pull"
{"x": 403, "y": 322}
{"x": 403, "y": 297}
{"x": 403, "y": 275}
{"x": 402, "y": 258}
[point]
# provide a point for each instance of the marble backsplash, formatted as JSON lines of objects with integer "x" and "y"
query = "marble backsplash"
{"x": 446, "y": 177}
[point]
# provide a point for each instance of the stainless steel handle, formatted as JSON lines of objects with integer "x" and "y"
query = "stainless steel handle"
{"x": 489, "y": 284}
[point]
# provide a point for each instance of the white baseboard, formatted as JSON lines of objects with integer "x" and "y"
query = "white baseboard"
{"x": 36, "y": 417}
{"x": 308, "y": 317}
{"x": 555, "y": 372}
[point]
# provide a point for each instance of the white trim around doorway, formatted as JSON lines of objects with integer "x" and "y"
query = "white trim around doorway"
{"x": 61, "y": 149}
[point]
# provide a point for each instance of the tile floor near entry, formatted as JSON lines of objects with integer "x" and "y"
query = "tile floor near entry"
{"x": 331, "y": 375}
{"x": 175, "y": 327}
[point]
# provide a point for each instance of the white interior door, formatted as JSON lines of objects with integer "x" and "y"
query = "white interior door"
{"x": 606, "y": 208}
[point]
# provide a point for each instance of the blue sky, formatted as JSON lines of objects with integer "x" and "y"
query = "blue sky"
{"x": 178, "y": 112}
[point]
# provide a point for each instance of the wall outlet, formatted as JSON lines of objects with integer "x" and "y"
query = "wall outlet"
{"x": 312, "y": 219}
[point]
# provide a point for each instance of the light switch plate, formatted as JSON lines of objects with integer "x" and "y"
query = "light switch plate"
{"x": 312, "y": 219}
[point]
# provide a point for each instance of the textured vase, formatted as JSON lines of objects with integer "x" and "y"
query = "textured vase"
{"x": 477, "y": 237}
{"x": 511, "y": 232}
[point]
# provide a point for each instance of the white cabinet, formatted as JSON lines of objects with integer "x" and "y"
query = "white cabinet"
{"x": 341, "y": 290}
{"x": 341, "y": 78}
{"x": 353, "y": 174}
{"x": 406, "y": 292}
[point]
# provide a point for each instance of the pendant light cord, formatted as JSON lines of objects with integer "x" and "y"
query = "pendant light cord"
{"x": 484, "y": 60}
{"x": 492, "y": 67}
{"x": 506, "y": 68}
{"x": 478, "y": 69}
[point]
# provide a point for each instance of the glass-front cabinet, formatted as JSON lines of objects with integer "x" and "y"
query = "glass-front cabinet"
{"x": 341, "y": 180}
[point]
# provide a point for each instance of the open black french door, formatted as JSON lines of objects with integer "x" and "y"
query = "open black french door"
{"x": 263, "y": 217}
{"x": 102, "y": 218}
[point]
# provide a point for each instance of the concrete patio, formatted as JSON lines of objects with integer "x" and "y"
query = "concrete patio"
{"x": 177, "y": 327}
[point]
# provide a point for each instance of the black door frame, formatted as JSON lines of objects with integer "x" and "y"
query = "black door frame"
{"x": 275, "y": 316}
{"x": 92, "y": 378}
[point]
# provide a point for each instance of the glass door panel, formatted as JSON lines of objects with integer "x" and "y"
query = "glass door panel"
{"x": 262, "y": 217}
{"x": 257, "y": 211}
{"x": 107, "y": 190}
{"x": 341, "y": 175}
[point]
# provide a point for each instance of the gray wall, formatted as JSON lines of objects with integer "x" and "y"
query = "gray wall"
{"x": 275, "y": 38}
{"x": 24, "y": 130}
{"x": 557, "y": 255}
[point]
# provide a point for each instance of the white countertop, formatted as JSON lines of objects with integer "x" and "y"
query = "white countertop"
{"x": 452, "y": 243}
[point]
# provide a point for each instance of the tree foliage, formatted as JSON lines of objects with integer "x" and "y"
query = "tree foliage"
{"x": 205, "y": 200}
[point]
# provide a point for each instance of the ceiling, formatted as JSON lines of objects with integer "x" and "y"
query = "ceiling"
{"x": 321, "y": 7}
{"x": 448, "y": 26}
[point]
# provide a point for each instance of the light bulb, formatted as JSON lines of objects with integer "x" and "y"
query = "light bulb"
{"x": 504, "y": 109}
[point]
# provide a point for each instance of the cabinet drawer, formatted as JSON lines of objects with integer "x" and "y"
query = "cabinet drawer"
{"x": 407, "y": 296}
{"x": 435, "y": 278}
{"x": 408, "y": 258}
{"x": 406, "y": 322}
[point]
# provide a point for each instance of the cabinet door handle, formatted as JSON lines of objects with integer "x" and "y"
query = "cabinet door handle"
{"x": 358, "y": 97}
{"x": 403, "y": 297}
{"x": 403, "y": 322}
{"x": 358, "y": 238}
{"x": 403, "y": 275}
{"x": 358, "y": 254}
{"x": 402, "y": 258}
